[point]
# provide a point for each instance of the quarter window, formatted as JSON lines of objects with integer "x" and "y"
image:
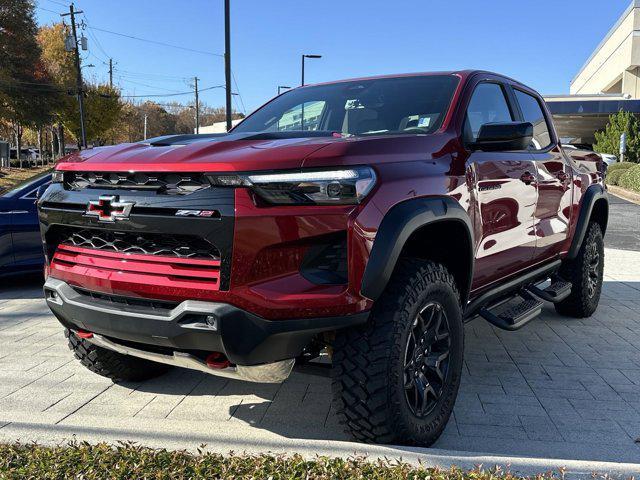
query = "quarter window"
{"x": 488, "y": 105}
{"x": 532, "y": 113}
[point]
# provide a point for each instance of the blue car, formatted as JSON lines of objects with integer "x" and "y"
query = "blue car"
{"x": 20, "y": 243}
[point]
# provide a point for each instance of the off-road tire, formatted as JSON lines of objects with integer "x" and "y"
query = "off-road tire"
{"x": 583, "y": 300}
{"x": 368, "y": 374}
{"x": 113, "y": 365}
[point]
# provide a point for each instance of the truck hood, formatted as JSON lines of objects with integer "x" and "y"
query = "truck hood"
{"x": 243, "y": 152}
{"x": 190, "y": 153}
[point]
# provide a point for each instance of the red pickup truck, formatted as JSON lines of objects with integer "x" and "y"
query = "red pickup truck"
{"x": 366, "y": 220}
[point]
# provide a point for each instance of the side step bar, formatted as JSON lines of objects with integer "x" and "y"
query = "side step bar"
{"x": 554, "y": 293}
{"x": 530, "y": 305}
{"x": 516, "y": 317}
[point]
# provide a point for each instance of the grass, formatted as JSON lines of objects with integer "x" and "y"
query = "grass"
{"x": 15, "y": 176}
{"x": 129, "y": 461}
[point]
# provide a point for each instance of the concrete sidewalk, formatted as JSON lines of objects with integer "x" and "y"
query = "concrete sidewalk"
{"x": 560, "y": 389}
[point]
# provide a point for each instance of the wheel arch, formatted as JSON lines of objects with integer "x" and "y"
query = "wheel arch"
{"x": 430, "y": 228}
{"x": 594, "y": 207}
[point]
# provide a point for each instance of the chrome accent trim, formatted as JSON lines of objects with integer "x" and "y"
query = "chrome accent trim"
{"x": 276, "y": 372}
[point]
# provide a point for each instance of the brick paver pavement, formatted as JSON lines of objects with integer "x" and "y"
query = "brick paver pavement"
{"x": 559, "y": 388}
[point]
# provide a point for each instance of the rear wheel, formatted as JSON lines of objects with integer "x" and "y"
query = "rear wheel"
{"x": 585, "y": 273}
{"x": 111, "y": 364}
{"x": 395, "y": 380}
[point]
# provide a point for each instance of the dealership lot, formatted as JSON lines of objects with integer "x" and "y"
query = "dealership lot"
{"x": 560, "y": 388}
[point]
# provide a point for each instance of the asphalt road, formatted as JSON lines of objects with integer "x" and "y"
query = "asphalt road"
{"x": 623, "y": 231}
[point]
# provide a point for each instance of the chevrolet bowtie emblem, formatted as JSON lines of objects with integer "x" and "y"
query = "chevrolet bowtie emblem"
{"x": 109, "y": 208}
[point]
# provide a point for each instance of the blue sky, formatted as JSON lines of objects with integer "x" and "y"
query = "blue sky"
{"x": 542, "y": 43}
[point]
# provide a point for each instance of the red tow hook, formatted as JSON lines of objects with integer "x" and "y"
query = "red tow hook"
{"x": 217, "y": 360}
{"x": 84, "y": 334}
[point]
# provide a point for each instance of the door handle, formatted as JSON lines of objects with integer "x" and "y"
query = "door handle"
{"x": 528, "y": 178}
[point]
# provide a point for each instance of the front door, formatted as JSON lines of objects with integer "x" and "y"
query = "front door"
{"x": 505, "y": 189}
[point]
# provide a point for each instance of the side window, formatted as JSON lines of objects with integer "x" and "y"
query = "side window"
{"x": 488, "y": 105}
{"x": 292, "y": 118}
{"x": 532, "y": 112}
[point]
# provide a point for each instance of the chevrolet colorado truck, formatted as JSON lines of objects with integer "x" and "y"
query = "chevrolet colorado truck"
{"x": 363, "y": 220}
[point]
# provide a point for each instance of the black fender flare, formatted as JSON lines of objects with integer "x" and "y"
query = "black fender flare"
{"x": 396, "y": 227}
{"x": 593, "y": 194}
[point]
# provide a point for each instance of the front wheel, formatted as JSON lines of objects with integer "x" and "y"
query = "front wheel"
{"x": 585, "y": 272}
{"x": 395, "y": 380}
{"x": 113, "y": 365}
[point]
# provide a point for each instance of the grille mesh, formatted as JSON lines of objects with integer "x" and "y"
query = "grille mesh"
{"x": 181, "y": 246}
{"x": 167, "y": 183}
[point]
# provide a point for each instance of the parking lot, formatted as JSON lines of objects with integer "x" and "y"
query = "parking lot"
{"x": 558, "y": 389}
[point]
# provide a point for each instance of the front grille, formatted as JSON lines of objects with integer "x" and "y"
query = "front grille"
{"x": 163, "y": 183}
{"x": 181, "y": 246}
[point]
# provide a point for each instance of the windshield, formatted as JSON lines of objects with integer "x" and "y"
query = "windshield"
{"x": 401, "y": 105}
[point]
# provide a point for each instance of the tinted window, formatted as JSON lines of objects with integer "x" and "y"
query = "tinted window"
{"x": 403, "y": 105}
{"x": 532, "y": 112}
{"x": 488, "y": 105}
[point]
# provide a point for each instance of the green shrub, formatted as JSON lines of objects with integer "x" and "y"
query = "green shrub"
{"x": 129, "y": 461}
{"x": 620, "y": 166}
{"x": 608, "y": 140}
{"x": 613, "y": 177}
{"x": 630, "y": 179}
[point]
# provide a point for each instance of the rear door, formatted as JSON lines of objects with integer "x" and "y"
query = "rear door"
{"x": 505, "y": 188}
{"x": 553, "y": 210}
{"x": 27, "y": 244}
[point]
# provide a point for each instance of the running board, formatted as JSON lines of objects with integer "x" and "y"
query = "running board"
{"x": 515, "y": 317}
{"x": 509, "y": 289}
{"x": 554, "y": 293}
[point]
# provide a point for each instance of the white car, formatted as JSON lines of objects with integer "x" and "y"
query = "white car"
{"x": 608, "y": 158}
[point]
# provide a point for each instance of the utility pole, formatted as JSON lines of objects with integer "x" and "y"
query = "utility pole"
{"x": 227, "y": 60}
{"x": 79, "y": 88}
{"x": 195, "y": 79}
{"x": 145, "y": 126}
{"x": 111, "y": 72}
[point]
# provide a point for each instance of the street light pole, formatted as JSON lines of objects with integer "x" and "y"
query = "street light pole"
{"x": 302, "y": 108}
{"x": 303, "y": 58}
{"x": 227, "y": 60}
{"x": 280, "y": 87}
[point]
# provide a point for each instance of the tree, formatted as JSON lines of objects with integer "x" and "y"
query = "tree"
{"x": 102, "y": 102}
{"x": 608, "y": 140}
{"x": 26, "y": 92}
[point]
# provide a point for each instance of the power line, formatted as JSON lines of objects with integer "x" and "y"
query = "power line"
{"x": 172, "y": 94}
{"x": 155, "y": 42}
{"x": 244, "y": 110}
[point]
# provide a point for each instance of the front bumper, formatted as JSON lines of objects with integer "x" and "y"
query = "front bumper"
{"x": 191, "y": 326}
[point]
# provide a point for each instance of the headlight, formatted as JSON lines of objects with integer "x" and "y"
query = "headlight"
{"x": 57, "y": 177}
{"x": 321, "y": 187}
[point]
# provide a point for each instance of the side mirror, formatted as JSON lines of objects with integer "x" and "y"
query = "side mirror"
{"x": 504, "y": 137}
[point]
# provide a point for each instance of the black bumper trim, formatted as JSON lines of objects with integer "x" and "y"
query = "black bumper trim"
{"x": 245, "y": 338}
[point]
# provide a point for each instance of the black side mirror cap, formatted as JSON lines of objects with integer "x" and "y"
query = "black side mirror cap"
{"x": 507, "y": 136}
